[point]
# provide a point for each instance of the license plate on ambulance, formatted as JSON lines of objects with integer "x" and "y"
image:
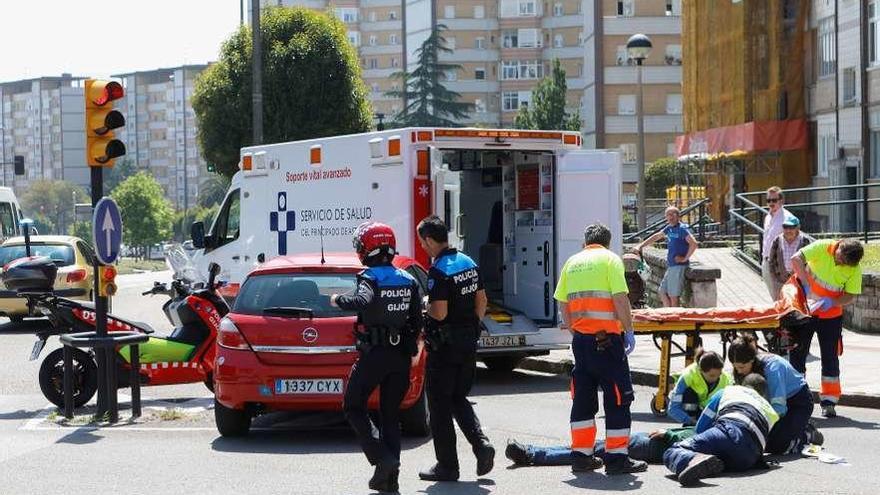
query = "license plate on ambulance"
{"x": 503, "y": 341}
{"x": 308, "y": 386}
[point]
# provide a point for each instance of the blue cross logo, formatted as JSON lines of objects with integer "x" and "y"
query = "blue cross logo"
{"x": 289, "y": 224}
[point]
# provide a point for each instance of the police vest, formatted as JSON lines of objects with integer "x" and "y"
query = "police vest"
{"x": 394, "y": 295}
{"x": 463, "y": 276}
{"x": 749, "y": 408}
{"x": 695, "y": 381}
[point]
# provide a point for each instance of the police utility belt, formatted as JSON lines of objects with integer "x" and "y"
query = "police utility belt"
{"x": 376, "y": 336}
{"x": 439, "y": 336}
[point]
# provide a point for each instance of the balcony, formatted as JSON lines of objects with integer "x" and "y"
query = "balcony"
{"x": 366, "y": 27}
{"x": 626, "y": 26}
{"x": 563, "y": 21}
{"x": 653, "y": 74}
{"x": 381, "y": 49}
{"x": 654, "y": 124}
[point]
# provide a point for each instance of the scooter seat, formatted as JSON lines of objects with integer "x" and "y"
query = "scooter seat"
{"x": 136, "y": 324}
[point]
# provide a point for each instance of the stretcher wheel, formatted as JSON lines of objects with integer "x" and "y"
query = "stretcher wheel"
{"x": 660, "y": 413}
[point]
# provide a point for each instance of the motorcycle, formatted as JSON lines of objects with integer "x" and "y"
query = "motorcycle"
{"x": 184, "y": 356}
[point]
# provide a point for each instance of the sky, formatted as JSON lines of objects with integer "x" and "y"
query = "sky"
{"x": 50, "y": 37}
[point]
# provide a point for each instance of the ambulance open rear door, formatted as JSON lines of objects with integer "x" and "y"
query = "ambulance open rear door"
{"x": 589, "y": 190}
{"x": 446, "y": 192}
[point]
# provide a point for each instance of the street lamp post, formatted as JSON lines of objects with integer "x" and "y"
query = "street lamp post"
{"x": 638, "y": 48}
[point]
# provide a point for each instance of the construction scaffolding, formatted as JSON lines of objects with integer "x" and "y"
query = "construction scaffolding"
{"x": 744, "y": 70}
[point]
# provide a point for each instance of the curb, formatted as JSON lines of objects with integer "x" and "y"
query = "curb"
{"x": 649, "y": 378}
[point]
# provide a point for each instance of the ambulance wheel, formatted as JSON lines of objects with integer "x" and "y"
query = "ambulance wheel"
{"x": 660, "y": 413}
{"x": 231, "y": 422}
{"x": 502, "y": 364}
{"x": 85, "y": 377}
{"x": 416, "y": 421}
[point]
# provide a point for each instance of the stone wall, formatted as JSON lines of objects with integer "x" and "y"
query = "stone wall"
{"x": 700, "y": 290}
{"x": 864, "y": 314}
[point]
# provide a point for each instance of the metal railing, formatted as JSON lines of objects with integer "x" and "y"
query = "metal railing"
{"x": 744, "y": 211}
{"x": 700, "y": 228}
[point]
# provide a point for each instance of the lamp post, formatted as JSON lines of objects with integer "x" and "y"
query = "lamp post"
{"x": 638, "y": 48}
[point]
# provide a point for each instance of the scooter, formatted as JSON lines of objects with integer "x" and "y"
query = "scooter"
{"x": 185, "y": 356}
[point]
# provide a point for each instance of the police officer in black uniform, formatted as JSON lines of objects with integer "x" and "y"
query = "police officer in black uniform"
{"x": 457, "y": 303}
{"x": 389, "y": 321}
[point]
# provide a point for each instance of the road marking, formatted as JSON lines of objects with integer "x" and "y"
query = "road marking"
{"x": 33, "y": 423}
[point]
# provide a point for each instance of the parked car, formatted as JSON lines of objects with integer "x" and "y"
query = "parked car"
{"x": 74, "y": 258}
{"x": 299, "y": 361}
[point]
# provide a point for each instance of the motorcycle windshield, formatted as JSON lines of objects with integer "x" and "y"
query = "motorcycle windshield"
{"x": 181, "y": 264}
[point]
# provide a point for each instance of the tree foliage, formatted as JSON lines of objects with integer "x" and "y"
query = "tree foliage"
{"x": 122, "y": 170}
{"x": 213, "y": 190}
{"x": 146, "y": 214}
{"x": 428, "y": 102}
{"x": 547, "y": 108}
{"x": 183, "y": 221}
{"x": 50, "y": 204}
{"x": 666, "y": 172}
{"x": 312, "y": 86}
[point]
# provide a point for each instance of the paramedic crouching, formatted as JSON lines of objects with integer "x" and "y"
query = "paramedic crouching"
{"x": 457, "y": 303}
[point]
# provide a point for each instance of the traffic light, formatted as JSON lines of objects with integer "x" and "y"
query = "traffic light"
{"x": 101, "y": 120}
{"x": 106, "y": 281}
{"x": 212, "y": 168}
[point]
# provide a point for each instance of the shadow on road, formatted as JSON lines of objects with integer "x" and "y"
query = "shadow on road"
{"x": 516, "y": 382}
{"x": 844, "y": 422}
{"x": 598, "y": 481}
{"x": 460, "y": 488}
{"x": 20, "y": 414}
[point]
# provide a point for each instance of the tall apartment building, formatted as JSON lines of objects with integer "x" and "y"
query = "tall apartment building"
{"x": 506, "y": 46}
{"x": 43, "y": 121}
{"x": 160, "y": 130}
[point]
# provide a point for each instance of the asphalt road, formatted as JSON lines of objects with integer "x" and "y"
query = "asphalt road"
{"x": 175, "y": 448}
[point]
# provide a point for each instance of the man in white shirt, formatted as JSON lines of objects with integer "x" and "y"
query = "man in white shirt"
{"x": 772, "y": 229}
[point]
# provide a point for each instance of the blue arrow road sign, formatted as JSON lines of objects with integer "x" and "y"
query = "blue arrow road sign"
{"x": 107, "y": 230}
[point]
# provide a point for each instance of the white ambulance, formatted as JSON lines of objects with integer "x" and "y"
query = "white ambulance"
{"x": 516, "y": 201}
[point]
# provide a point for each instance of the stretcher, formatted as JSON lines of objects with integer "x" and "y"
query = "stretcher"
{"x": 772, "y": 320}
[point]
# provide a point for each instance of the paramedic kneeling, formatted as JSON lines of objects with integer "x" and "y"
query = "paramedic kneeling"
{"x": 456, "y": 304}
{"x": 593, "y": 300}
{"x": 389, "y": 321}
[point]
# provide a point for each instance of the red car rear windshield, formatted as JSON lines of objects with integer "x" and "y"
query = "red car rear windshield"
{"x": 294, "y": 290}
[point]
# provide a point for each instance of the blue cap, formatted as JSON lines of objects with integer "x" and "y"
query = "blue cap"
{"x": 791, "y": 221}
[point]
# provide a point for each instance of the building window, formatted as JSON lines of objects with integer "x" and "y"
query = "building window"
{"x": 372, "y": 40}
{"x": 623, "y": 56}
{"x": 354, "y": 38}
{"x": 480, "y": 106}
{"x": 626, "y": 8}
{"x": 558, "y": 41}
{"x": 581, "y": 38}
{"x": 849, "y": 85}
{"x": 392, "y": 39}
{"x": 449, "y": 12}
{"x": 373, "y": 16}
{"x": 375, "y": 87}
{"x": 673, "y": 7}
{"x": 827, "y": 57}
{"x": 626, "y": 105}
{"x": 452, "y": 75}
{"x": 673, "y": 104}
{"x": 480, "y": 43}
{"x": 873, "y": 38}
{"x": 479, "y": 12}
{"x": 875, "y": 156}
{"x": 394, "y": 62}
{"x": 480, "y": 73}
{"x": 372, "y": 63}
{"x": 509, "y": 39}
{"x": 510, "y": 101}
{"x": 348, "y": 15}
{"x": 558, "y": 9}
{"x": 528, "y": 38}
{"x": 450, "y": 42}
{"x": 629, "y": 152}
{"x": 826, "y": 150}
{"x": 673, "y": 55}
{"x": 528, "y": 8}
{"x": 392, "y": 15}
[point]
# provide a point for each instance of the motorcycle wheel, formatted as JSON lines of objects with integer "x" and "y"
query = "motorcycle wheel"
{"x": 85, "y": 377}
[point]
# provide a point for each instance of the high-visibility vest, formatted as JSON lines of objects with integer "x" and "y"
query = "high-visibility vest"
{"x": 827, "y": 278}
{"x": 695, "y": 381}
{"x": 587, "y": 283}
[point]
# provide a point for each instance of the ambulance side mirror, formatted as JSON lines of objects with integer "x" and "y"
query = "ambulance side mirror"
{"x": 197, "y": 232}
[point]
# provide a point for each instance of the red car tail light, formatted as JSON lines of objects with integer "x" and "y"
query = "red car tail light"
{"x": 229, "y": 337}
{"x": 77, "y": 275}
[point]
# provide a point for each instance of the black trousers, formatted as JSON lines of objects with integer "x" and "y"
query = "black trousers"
{"x": 388, "y": 369}
{"x": 450, "y": 375}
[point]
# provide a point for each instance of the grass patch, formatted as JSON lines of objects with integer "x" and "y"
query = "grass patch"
{"x": 130, "y": 265}
{"x": 172, "y": 414}
{"x": 871, "y": 261}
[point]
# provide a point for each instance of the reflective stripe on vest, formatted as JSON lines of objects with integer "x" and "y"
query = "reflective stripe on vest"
{"x": 592, "y": 311}
{"x": 736, "y": 393}
{"x": 822, "y": 288}
{"x": 693, "y": 378}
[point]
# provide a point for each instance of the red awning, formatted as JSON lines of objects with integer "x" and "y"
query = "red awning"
{"x": 750, "y": 138}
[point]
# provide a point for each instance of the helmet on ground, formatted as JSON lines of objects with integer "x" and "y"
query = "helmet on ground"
{"x": 373, "y": 238}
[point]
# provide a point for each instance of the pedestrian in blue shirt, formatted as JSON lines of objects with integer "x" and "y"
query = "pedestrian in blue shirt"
{"x": 680, "y": 246}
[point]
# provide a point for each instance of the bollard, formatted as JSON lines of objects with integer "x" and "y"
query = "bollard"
{"x": 68, "y": 382}
{"x": 112, "y": 398}
{"x": 135, "y": 381}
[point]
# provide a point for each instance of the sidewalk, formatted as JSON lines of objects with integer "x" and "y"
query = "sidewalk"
{"x": 740, "y": 286}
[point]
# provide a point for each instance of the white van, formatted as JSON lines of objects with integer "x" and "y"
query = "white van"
{"x": 10, "y": 214}
{"x": 516, "y": 201}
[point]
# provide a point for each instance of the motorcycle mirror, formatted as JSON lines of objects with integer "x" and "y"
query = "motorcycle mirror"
{"x": 213, "y": 271}
{"x": 197, "y": 232}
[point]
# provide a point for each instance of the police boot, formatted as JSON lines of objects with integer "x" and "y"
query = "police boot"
{"x": 518, "y": 453}
{"x": 438, "y": 472}
{"x": 701, "y": 466}
{"x": 485, "y": 458}
{"x": 382, "y": 474}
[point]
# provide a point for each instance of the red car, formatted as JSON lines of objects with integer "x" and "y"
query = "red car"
{"x": 284, "y": 348}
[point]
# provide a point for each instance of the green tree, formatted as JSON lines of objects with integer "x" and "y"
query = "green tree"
{"x": 83, "y": 230}
{"x": 122, "y": 170}
{"x": 213, "y": 190}
{"x": 666, "y": 172}
{"x": 183, "y": 222}
{"x": 547, "y": 108}
{"x": 312, "y": 86}
{"x": 428, "y": 102}
{"x": 146, "y": 214}
{"x": 50, "y": 204}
